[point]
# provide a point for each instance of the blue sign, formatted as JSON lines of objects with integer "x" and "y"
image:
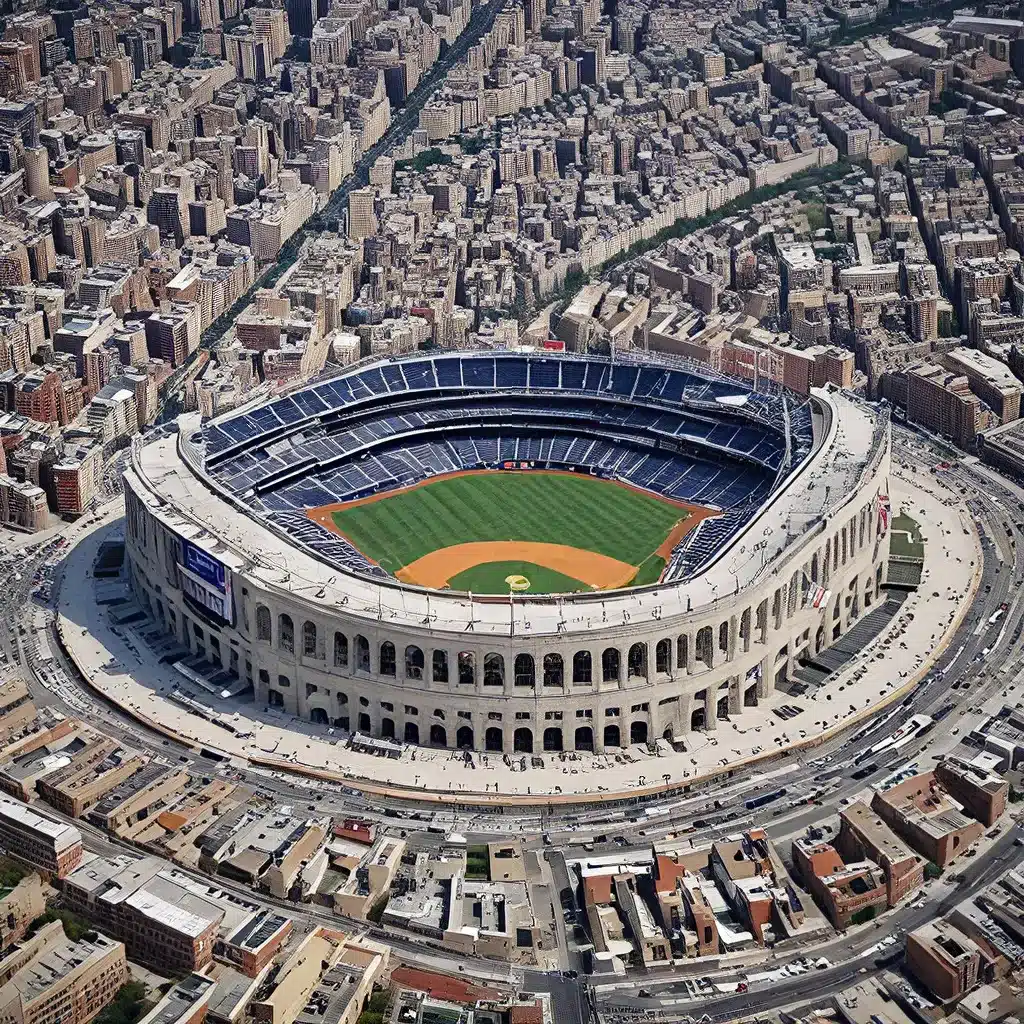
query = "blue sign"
{"x": 206, "y": 581}
{"x": 206, "y": 568}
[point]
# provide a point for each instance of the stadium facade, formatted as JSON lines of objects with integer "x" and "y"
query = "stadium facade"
{"x": 224, "y": 558}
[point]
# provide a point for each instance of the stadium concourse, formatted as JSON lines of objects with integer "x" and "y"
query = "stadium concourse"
{"x": 122, "y": 668}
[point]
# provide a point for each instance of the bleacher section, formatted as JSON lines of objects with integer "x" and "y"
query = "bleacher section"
{"x": 690, "y": 435}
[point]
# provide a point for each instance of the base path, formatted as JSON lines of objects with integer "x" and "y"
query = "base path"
{"x": 438, "y": 567}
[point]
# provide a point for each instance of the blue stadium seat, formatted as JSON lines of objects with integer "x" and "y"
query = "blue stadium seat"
{"x": 692, "y": 435}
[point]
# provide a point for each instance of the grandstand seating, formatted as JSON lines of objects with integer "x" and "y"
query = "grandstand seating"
{"x": 684, "y": 433}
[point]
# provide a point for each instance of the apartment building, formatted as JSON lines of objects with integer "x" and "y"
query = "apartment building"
{"x": 863, "y": 835}
{"x": 20, "y": 905}
{"x": 943, "y": 959}
{"x": 267, "y": 850}
{"x": 920, "y": 811}
{"x": 992, "y": 381}
{"x": 848, "y": 893}
{"x": 137, "y": 798}
{"x": 185, "y": 1002}
{"x": 943, "y": 403}
{"x": 92, "y": 772}
{"x": 49, "y": 846}
{"x": 22, "y": 505}
{"x": 370, "y": 877}
{"x": 983, "y": 794}
{"x": 328, "y": 976}
{"x": 16, "y": 708}
{"x": 255, "y": 942}
{"x": 77, "y": 476}
{"x": 151, "y": 908}
{"x": 64, "y": 982}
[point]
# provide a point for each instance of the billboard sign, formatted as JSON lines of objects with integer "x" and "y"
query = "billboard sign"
{"x": 206, "y": 581}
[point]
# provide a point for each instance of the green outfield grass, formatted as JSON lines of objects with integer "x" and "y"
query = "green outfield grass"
{"x": 553, "y": 508}
{"x": 489, "y": 578}
{"x": 906, "y": 540}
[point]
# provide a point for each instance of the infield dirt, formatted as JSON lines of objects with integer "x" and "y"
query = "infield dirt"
{"x": 438, "y": 567}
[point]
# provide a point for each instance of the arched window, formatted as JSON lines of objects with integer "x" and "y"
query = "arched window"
{"x": 638, "y": 661}
{"x": 464, "y": 738}
{"x": 663, "y": 656}
{"x": 493, "y": 740}
{"x": 723, "y": 637}
{"x": 285, "y": 633}
{"x": 438, "y": 736}
{"x": 263, "y": 623}
{"x": 705, "y": 646}
{"x": 683, "y": 653}
{"x": 522, "y": 741}
{"x": 387, "y": 728}
{"x": 340, "y": 650}
{"x": 611, "y": 736}
{"x": 440, "y": 666}
{"x": 638, "y": 732}
{"x": 610, "y": 665}
{"x": 553, "y": 670}
{"x": 494, "y": 670}
{"x": 275, "y": 698}
{"x": 413, "y": 662}
{"x": 318, "y": 716}
{"x": 309, "y": 639}
{"x": 524, "y": 670}
{"x": 553, "y": 739}
{"x": 362, "y": 654}
{"x": 387, "y": 658}
{"x": 412, "y": 732}
{"x": 582, "y": 668}
{"x": 467, "y": 668}
{"x": 584, "y": 738}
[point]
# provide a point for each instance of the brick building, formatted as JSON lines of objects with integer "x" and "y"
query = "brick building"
{"x": 864, "y": 836}
{"x": 920, "y": 811}
{"x": 149, "y": 908}
{"x": 43, "y": 843}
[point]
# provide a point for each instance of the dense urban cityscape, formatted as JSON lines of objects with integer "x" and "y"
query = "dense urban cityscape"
{"x": 511, "y": 512}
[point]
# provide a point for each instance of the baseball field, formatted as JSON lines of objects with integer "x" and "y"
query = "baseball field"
{"x": 563, "y": 532}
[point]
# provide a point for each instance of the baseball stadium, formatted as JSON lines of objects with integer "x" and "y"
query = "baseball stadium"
{"x": 513, "y": 550}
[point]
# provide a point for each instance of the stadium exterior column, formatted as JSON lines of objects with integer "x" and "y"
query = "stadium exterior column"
{"x": 735, "y": 696}
{"x": 691, "y": 652}
{"x": 766, "y": 681}
{"x": 684, "y": 711}
{"x": 711, "y": 710}
{"x": 734, "y": 635}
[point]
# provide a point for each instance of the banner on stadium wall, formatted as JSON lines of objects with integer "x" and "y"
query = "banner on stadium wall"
{"x": 206, "y": 581}
{"x": 884, "y": 511}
